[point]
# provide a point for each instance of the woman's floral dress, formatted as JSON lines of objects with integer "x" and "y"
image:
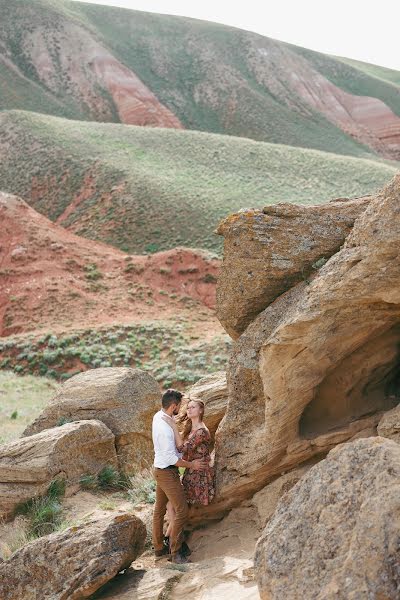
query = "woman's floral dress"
{"x": 198, "y": 485}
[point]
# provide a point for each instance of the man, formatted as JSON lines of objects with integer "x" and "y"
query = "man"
{"x": 167, "y": 459}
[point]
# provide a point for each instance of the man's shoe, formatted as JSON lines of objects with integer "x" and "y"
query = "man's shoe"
{"x": 166, "y": 542}
{"x": 179, "y": 559}
{"x": 163, "y": 552}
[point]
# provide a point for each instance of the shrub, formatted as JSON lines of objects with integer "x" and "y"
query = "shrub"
{"x": 44, "y": 512}
{"x": 92, "y": 273}
{"x": 143, "y": 488}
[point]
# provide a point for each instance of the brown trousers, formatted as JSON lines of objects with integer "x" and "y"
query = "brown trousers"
{"x": 169, "y": 487}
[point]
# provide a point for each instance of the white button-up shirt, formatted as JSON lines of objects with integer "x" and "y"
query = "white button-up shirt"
{"x": 165, "y": 452}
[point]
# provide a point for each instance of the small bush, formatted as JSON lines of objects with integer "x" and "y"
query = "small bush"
{"x": 14, "y": 415}
{"x": 108, "y": 478}
{"x": 92, "y": 273}
{"x": 143, "y": 488}
{"x": 44, "y": 512}
{"x": 88, "y": 482}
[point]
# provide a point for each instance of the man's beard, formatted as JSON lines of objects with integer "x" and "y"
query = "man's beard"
{"x": 176, "y": 411}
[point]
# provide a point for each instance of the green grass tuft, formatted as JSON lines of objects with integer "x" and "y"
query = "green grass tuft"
{"x": 44, "y": 512}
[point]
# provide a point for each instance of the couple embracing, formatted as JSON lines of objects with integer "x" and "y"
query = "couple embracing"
{"x": 172, "y": 449}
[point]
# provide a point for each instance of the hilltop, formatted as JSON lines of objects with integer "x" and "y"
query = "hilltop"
{"x": 148, "y": 189}
{"x": 90, "y": 62}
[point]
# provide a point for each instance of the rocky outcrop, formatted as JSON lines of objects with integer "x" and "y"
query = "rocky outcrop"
{"x": 268, "y": 251}
{"x": 124, "y": 399}
{"x": 389, "y": 425}
{"x": 335, "y": 534}
{"x": 319, "y": 364}
{"x": 74, "y": 563}
{"x": 28, "y": 465}
{"x": 212, "y": 390}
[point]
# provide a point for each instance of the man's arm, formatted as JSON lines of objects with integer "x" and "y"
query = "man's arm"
{"x": 196, "y": 465}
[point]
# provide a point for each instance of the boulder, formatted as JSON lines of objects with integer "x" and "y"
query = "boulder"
{"x": 319, "y": 364}
{"x": 125, "y": 399}
{"x": 74, "y": 563}
{"x": 212, "y": 390}
{"x": 335, "y": 534}
{"x": 389, "y": 425}
{"x": 28, "y": 465}
{"x": 268, "y": 251}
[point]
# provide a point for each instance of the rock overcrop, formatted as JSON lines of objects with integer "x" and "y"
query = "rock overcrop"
{"x": 73, "y": 564}
{"x": 335, "y": 534}
{"x": 268, "y": 251}
{"x": 123, "y": 398}
{"x": 29, "y": 464}
{"x": 320, "y": 364}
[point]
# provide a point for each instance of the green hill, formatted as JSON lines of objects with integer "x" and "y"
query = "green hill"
{"x": 146, "y": 189}
{"x": 212, "y": 77}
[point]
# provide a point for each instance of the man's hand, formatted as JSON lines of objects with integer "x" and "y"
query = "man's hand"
{"x": 198, "y": 464}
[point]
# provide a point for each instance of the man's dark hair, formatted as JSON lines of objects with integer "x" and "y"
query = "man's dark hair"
{"x": 171, "y": 397}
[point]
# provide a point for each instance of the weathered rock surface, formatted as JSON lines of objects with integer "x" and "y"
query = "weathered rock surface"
{"x": 28, "y": 465}
{"x": 389, "y": 425}
{"x": 124, "y": 399}
{"x": 212, "y": 390}
{"x": 141, "y": 584}
{"x": 73, "y": 564}
{"x": 335, "y": 535}
{"x": 223, "y": 578}
{"x": 268, "y": 251}
{"x": 318, "y": 365}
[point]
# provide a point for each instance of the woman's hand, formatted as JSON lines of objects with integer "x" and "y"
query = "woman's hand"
{"x": 178, "y": 438}
{"x": 170, "y": 421}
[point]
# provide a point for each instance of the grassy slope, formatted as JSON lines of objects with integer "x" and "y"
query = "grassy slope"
{"x": 152, "y": 189}
{"x": 215, "y": 78}
{"x": 22, "y": 399}
{"x": 383, "y": 73}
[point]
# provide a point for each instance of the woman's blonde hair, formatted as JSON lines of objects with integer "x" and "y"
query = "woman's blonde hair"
{"x": 187, "y": 423}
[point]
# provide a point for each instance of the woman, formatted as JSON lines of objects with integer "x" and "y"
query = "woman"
{"x": 194, "y": 443}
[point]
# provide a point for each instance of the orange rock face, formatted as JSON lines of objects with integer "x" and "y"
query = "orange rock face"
{"x": 44, "y": 278}
{"x": 318, "y": 365}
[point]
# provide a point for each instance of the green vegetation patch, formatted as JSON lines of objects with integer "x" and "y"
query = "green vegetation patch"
{"x": 165, "y": 351}
{"x": 22, "y": 398}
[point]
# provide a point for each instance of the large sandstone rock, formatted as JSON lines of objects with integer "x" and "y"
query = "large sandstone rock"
{"x": 318, "y": 365}
{"x": 212, "y": 390}
{"x": 268, "y": 251}
{"x": 124, "y": 399}
{"x": 335, "y": 535}
{"x": 74, "y": 563}
{"x": 389, "y": 425}
{"x": 28, "y": 465}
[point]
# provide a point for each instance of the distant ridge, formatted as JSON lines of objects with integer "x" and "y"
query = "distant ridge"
{"x": 90, "y": 62}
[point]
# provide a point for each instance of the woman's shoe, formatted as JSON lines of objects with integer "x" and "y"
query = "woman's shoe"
{"x": 179, "y": 559}
{"x": 185, "y": 550}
